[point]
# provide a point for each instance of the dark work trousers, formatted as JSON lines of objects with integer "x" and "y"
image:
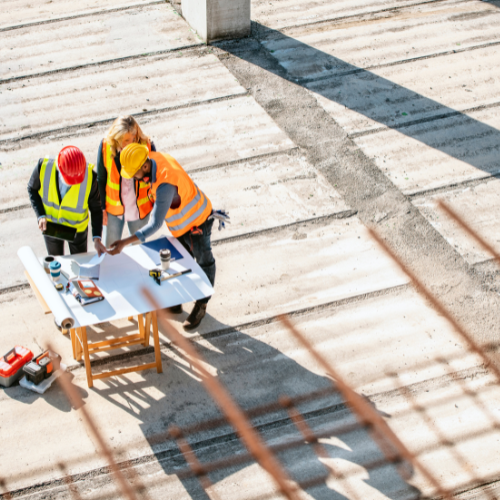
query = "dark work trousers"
{"x": 56, "y": 246}
{"x": 200, "y": 247}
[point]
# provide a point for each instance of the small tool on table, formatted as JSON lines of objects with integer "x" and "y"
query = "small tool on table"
{"x": 156, "y": 274}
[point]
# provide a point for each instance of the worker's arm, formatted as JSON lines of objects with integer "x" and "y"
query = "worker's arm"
{"x": 35, "y": 198}
{"x": 95, "y": 209}
{"x": 164, "y": 196}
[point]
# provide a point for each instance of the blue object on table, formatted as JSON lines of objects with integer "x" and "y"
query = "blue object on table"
{"x": 55, "y": 270}
{"x": 160, "y": 244}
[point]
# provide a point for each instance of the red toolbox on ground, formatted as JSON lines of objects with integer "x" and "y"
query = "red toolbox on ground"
{"x": 11, "y": 365}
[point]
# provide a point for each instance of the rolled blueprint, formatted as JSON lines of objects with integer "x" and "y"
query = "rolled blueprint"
{"x": 42, "y": 281}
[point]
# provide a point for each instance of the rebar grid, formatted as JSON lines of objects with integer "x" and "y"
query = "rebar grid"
{"x": 393, "y": 451}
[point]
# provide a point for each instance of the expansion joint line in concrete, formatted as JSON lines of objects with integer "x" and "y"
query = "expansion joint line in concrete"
{"x": 341, "y": 74}
{"x": 442, "y": 116}
{"x": 452, "y": 187}
{"x": 14, "y": 209}
{"x": 324, "y": 219}
{"x": 191, "y": 47}
{"x": 105, "y": 121}
{"x": 239, "y": 161}
{"x": 357, "y": 16}
{"x": 79, "y": 16}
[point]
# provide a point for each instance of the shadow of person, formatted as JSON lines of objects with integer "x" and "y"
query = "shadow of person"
{"x": 53, "y": 396}
{"x": 376, "y": 102}
{"x": 255, "y": 373}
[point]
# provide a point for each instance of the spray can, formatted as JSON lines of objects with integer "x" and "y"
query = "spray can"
{"x": 165, "y": 258}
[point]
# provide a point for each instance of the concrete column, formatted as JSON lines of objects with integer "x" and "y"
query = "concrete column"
{"x": 218, "y": 19}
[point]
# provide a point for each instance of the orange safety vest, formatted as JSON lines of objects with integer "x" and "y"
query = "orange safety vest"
{"x": 114, "y": 204}
{"x": 195, "y": 207}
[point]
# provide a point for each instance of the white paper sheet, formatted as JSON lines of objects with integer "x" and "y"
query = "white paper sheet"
{"x": 45, "y": 285}
{"x": 121, "y": 280}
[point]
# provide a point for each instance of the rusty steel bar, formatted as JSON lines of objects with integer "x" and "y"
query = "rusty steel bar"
{"x": 299, "y": 421}
{"x": 473, "y": 346}
{"x": 472, "y": 232}
{"x": 193, "y": 462}
{"x": 77, "y": 402}
{"x": 367, "y": 415}
{"x": 233, "y": 412}
{"x": 75, "y": 495}
{"x": 443, "y": 440}
{"x": 6, "y": 494}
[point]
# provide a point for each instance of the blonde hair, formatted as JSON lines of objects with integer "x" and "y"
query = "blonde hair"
{"x": 121, "y": 126}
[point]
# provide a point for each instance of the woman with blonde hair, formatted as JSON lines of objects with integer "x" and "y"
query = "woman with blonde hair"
{"x": 122, "y": 200}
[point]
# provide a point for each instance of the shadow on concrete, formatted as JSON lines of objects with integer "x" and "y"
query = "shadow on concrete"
{"x": 387, "y": 103}
{"x": 255, "y": 373}
{"x": 55, "y": 398}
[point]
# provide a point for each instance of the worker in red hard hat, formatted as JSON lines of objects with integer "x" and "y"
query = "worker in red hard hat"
{"x": 64, "y": 191}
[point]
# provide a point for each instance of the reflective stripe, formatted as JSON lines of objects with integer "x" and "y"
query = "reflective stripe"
{"x": 193, "y": 217}
{"x": 187, "y": 208}
{"x": 142, "y": 201}
{"x": 113, "y": 202}
{"x": 82, "y": 192}
{"x": 67, "y": 209}
{"x": 46, "y": 179}
{"x": 67, "y": 222}
{"x": 113, "y": 185}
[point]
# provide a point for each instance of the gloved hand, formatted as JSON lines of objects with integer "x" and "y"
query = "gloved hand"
{"x": 222, "y": 217}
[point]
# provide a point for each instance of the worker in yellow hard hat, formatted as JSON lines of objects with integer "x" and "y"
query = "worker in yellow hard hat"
{"x": 181, "y": 204}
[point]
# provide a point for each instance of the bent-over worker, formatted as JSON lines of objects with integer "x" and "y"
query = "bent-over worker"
{"x": 63, "y": 191}
{"x": 181, "y": 204}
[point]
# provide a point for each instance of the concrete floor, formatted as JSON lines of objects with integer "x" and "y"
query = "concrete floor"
{"x": 332, "y": 117}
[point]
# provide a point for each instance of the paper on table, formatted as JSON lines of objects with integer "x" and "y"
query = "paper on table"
{"x": 92, "y": 268}
{"x": 60, "y": 310}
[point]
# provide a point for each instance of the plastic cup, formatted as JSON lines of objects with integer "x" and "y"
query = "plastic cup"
{"x": 55, "y": 270}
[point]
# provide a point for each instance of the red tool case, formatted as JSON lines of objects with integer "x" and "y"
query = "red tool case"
{"x": 11, "y": 365}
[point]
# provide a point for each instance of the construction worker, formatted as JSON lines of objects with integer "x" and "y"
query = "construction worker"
{"x": 181, "y": 204}
{"x": 63, "y": 190}
{"x": 123, "y": 200}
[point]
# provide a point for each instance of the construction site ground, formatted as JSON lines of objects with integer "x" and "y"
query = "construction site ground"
{"x": 331, "y": 118}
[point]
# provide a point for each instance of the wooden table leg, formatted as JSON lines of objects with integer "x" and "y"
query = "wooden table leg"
{"x": 156, "y": 337}
{"x": 147, "y": 329}
{"x": 86, "y": 357}
{"x": 140, "y": 324}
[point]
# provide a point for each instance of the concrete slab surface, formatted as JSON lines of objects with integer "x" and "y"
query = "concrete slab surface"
{"x": 104, "y": 92}
{"x": 393, "y": 96}
{"x": 279, "y": 14}
{"x": 20, "y": 12}
{"x": 218, "y": 132}
{"x": 479, "y": 206}
{"x": 268, "y": 192}
{"x": 440, "y": 153}
{"x": 55, "y": 46}
{"x": 396, "y": 332}
{"x": 403, "y": 34}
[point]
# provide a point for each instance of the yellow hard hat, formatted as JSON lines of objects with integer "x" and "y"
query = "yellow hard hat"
{"x": 132, "y": 159}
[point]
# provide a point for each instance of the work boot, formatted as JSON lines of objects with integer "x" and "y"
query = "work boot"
{"x": 175, "y": 309}
{"x": 197, "y": 314}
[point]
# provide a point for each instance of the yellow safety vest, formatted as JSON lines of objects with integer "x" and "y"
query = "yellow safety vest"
{"x": 73, "y": 209}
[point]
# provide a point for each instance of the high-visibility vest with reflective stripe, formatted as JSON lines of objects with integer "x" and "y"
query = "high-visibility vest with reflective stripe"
{"x": 73, "y": 209}
{"x": 195, "y": 207}
{"x": 114, "y": 204}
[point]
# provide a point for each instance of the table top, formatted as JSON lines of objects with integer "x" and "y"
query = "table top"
{"x": 123, "y": 276}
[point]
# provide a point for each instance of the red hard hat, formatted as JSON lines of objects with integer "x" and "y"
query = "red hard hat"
{"x": 72, "y": 165}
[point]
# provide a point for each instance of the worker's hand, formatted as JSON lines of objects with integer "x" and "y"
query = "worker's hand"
{"x": 116, "y": 247}
{"x": 42, "y": 224}
{"x": 100, "y": 248}
{"x": 104, "y": 218}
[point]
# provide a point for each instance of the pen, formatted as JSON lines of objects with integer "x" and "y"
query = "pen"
{"x": 176, "y": 275}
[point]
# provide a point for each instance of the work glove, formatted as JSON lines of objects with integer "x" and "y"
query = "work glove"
{"x": 222, "y": 216}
